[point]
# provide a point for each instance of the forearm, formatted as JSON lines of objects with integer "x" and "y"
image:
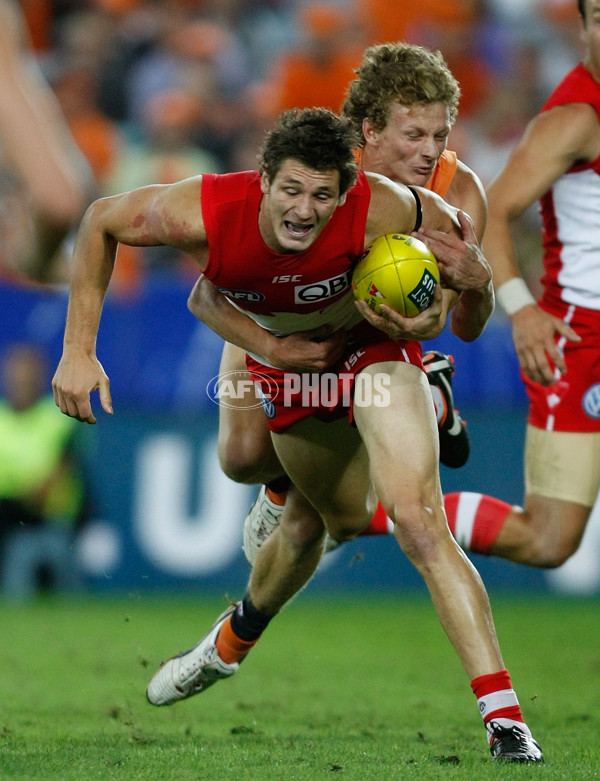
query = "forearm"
{"x": 471, "y": 313}
{"x": 210, "y": 306}
{"x": 92, "y": 266}
{"x": 499, "y": 250}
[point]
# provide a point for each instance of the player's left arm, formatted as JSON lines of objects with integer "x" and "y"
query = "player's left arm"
{"x": 305, "y": 351}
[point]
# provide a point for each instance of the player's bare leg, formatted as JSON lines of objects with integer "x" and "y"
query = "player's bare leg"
{"x": 562, "y": 472}
{"x": 297, "y": 544}
{"x": 402, "y": 442}
{"x": 244, "y": 444}
{"x": 283, "y": 566}
{"x": 545, "y": 533}
{"x": 289, "y": 557}
{"x": 404, "y": 470}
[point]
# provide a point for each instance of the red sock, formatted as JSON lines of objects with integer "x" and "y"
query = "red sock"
{"x": 475, "y": 519}
{"x": 497, "y": 700}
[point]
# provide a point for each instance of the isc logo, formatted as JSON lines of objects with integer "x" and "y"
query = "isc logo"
{"x": 319, "y": 291}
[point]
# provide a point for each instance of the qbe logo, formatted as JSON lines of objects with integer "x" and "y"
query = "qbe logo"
{"x": 237, "y": 389}
{"x": 322, "y": 290}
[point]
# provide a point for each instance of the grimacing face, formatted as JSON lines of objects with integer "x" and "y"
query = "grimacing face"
{"x": 297, "y": 204}
{"x": 409, "y": 146}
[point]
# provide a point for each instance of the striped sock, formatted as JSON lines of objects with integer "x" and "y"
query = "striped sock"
{"x": 475, "y": 519}
{"x": 497, "y": 700}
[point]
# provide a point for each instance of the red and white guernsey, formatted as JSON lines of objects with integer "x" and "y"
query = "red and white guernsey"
{"x": 282, "y": 292}
{"x": 571, "y": 213}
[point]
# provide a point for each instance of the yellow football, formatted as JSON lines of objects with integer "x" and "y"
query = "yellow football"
{"x": 398, "y": 271}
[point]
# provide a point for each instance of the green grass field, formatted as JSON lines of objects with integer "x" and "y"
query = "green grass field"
{"x": 347, "y": 689}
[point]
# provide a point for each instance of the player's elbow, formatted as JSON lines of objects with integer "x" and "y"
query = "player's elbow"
{"x": 194, "y": 302}
{"x": 469, "y": 318}
{"x": 467, "y": 329}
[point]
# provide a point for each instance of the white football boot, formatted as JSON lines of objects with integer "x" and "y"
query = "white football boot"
{"x": 262, "y": 520}
{"x": 191, "y": 672}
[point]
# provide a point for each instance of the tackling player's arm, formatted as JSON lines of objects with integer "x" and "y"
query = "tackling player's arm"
{"x": 149, "y": 216}
{"x": 553, "y": 141}
{"x": 467, "y": 273}
{"x": 306, "y": 351}
{"x": 461, "y": 260}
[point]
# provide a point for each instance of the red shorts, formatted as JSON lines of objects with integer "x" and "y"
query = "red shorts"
{"x": 288, "y": 397}
{"x": 573, "y": 402}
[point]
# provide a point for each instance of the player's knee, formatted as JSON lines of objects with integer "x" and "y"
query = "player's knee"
{"x": 418, "y": 529}
{"x": 552, "y": 553}
{"x": 349, "y": 524}
{"x": 240, "y": 459}
{"x": 302, "y": 531}
{"x": 237, "y": 468}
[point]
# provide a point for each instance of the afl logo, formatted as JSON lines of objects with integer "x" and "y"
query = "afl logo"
{"x": 229, "y": 389}
{"x": 252, "y": 296}
{"x": 591, "y": 401}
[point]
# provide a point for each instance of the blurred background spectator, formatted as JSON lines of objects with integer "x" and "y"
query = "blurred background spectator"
{"x": 43, "y": 497}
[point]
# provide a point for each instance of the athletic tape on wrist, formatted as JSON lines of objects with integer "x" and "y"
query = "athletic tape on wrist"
{"x": 514, "y": 295}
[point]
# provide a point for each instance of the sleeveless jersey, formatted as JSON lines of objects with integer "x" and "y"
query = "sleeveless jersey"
{"x": 282, "y": 292}
{"x": 570, "y": 213}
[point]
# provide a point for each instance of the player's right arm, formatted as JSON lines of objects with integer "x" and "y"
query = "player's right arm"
{"x": 551, "y": 144}
{"x": 149, "y": 216}
{"x": 305, "y": 351}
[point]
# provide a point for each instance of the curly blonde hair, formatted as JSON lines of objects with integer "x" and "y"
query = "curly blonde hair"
{"x": 398, "y": 73}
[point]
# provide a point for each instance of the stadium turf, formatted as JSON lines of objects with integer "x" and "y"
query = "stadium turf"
{"x": 346, "y": 688}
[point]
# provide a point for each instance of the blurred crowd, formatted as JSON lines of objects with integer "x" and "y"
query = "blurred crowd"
{"x": 158, "y": 90}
